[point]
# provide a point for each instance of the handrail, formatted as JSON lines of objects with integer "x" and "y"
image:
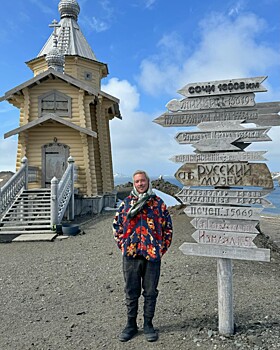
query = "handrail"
{"x": 16, "y": 184}
{"x": 61, "y": 194}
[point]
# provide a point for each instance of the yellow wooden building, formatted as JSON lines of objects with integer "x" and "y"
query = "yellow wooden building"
{"x": 63, "y": 112}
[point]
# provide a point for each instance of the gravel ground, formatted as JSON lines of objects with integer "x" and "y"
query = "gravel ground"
{"x": 68, "y": 294}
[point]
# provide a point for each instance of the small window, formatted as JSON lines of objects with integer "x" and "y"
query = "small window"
{"x": 88, "y": 76}
{"x": 55, "y": 102}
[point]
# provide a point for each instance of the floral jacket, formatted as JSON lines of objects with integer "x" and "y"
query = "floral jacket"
{"x": 149, "y": 233}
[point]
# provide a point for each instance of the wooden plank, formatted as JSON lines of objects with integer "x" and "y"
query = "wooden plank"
{"x": 268, "y": 107}
{"x": 219, "y": 87}
{"x": 219, "y": 157}
{"x": 225, "y": 174}
{"x": 224, "y": 196}
{"x": 258, "y": 116}
{"x": 242, "y": 135}
{"x": 221, "y": 125}
{"x": 217, "y": 102}
{"x": 268, "y": 120}
{"x": 223, "y": 212}
{"x": 225, "y": 224}
{"x": 225, "y": 296}
{"x": 225, "y": 238}
{"x": 216, "y": 251}
{"x": 35, "y": 237}
{"x": 215, "y": 145}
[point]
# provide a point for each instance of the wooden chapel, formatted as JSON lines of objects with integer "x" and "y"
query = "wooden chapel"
{"x": 63, "y": 112}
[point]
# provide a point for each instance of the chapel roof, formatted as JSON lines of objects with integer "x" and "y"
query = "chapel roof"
{"x": 70, "y": 39}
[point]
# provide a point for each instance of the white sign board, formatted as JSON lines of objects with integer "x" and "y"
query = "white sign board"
{"x": 216, "y": 251}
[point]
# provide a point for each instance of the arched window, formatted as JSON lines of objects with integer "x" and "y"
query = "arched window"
{"x": 55, "y": 102}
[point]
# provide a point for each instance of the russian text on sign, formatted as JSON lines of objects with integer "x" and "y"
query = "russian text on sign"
{"x": 242, "y": 135}
{"x": 219, "y": 157}
{"x": 225, "y": 174}
{"x": 224, "y": 196}
{"x": 261, "y": 117}
{"x": 223, "y": 212}
{"x": 219, "y": 87}
{"x": 231, "y": 239}
{"x": 225, "y": 101}
{"x": 218, "y": 224}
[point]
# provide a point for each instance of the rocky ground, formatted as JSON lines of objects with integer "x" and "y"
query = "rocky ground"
{"x": 68, "y": 295}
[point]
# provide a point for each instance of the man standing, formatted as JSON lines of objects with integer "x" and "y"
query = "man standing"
{"x": 142, "y": 229}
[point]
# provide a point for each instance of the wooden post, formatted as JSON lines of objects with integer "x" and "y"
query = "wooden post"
{"x": 54, "y": 204}
{"x": 24, "y": 162}
{"x": 72, "y": 200}
{"x": 225, "y": 296}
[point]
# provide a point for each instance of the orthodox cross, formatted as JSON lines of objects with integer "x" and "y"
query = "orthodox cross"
{"x": 54, "y": 25}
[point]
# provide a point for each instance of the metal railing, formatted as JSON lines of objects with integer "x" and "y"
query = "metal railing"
{"x": 62, "y": 195}
{"x": 16, "y": 184}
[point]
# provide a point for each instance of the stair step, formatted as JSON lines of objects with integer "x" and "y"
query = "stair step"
{"x": 27, "y": 216}
{"x": 48, "y": 193}
{"x": 24, "y": 213}
{"x": 24, "y": 225}
{"x": 27, "y": 203}
{"x": 37, "y": 198}
{"x": 17, "y": 232}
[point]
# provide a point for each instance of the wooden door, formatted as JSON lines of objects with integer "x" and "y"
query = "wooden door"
{"x": 54, "y": 160}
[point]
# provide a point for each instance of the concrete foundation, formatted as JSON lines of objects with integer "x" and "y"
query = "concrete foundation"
{"x": 94, "y": 205}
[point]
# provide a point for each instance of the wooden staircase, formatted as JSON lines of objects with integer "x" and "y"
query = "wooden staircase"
{"x": 28, "y": 217}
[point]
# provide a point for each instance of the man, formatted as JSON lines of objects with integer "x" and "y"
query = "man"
{"x": 143, "y": 231}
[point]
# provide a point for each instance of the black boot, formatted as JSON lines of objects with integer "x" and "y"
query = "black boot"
{"x": 130, "y": 329}
{"x": 149, "y": 331}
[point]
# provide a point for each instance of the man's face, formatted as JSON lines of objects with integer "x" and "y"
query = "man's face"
{"x": 141, "y": 183}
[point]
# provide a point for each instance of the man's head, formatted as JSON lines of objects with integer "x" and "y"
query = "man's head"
{"x": 141, "y": 181}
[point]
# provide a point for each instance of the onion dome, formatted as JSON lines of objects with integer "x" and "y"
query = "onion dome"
{"x": 55, "y": 59}
{"x": 69, "y": 8}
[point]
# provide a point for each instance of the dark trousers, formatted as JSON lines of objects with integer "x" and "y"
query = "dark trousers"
{"x": 140, "y": 273}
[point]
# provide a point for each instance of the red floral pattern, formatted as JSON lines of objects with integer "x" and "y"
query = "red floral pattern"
{"x": 149, "y": 233}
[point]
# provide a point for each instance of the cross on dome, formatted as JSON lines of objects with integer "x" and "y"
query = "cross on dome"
{"x": 54, "y": 25}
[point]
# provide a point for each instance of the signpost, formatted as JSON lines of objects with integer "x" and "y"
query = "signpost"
{"x": 222, "y": 87}
{"x": 225, "y": 174}
{"x": 260, "y": 115}
{"x": 225, "y": 214}
{"x": 244, "y": 135}
{"x": 219, "y": 157}
{"x": 208, "y": 223}
{"x": 230, "y": 239}
{"x": 224, "y": 196}
{"x": 219, "y": 102}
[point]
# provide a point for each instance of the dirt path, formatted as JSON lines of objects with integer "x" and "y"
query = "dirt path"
{"x": 68, "y": 295}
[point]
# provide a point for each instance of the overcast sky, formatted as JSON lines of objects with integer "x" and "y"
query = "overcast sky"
{"x": 152, "y": 48}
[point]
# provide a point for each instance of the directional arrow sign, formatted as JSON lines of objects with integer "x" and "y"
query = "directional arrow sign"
{"x": 242, "y": 135}
{"x": 260, "y": 116}
{"x": 224, "y": 196}
{"x": 218, "y": 102}
{"x": 223, "y": 212}
{"x": 219, "y": 87}
{"x": 231, "y": 239}
{"x": 219, "y": 157}
{"x": 225, "y": 174}
{"x": 272, "y": 119}
{"x": 214, "y": 145}
{"x": 216, "y": 251}
{"x": 225, "y": 224}
{"x": 268, "y": 107}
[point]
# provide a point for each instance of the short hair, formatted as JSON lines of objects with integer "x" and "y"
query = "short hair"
{"x": 140, "y": 172}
